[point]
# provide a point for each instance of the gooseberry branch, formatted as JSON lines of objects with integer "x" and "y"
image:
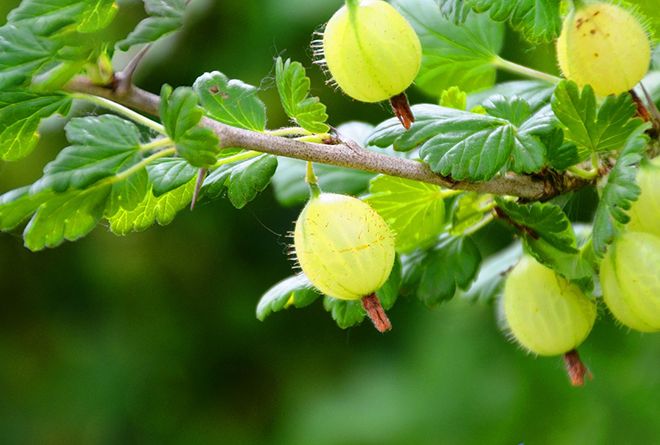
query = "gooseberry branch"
{"x": 539, "y": 187}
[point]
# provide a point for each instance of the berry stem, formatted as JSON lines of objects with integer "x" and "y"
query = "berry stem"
{"x": 376, "y": 313}
{"x": 512, "y": 67}
{"x": 575, "y": 368}
{"x": 401, "y": 108}
{"x": 312, "y": 181}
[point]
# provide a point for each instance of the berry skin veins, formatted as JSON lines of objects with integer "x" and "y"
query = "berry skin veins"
{"x": 343, "y": 246}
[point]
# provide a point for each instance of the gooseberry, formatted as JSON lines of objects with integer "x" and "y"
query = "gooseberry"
{"x": 373, "y": 54}
{"x": 630, "y": 279}
{"x": 605, "y": 46}
{"x": 346, "y": 250}
{"x": 645, "y": 212}
{"x": 546, "y": 313}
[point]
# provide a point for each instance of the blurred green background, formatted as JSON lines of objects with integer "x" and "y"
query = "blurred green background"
{"x": 152, "y": 338}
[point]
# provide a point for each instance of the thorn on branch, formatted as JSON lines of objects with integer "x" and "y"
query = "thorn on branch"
{"x": 201, "y": 175}
{"x": 124, "y": 79}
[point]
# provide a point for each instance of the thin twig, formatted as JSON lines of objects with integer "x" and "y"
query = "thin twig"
{"x": 529, "y": 187}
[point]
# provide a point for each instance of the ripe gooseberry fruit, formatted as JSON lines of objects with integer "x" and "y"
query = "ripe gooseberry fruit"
{"x": 373, "y": 54}
{"x": 346, "y": 250}
{"x": 605, "y": 46}
{"x": 630, "y": 279}
{"x": 645, "y": 212}
{"x": 547, "y": 314}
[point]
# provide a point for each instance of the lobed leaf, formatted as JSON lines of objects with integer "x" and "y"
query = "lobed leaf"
{"x": 181, "y": 115}
{"x": 21, "y": 112}
{"x": 101, "y": 146}
{"x": 22, "y": 54}
{"x": 537, "y": 20}
{"x": 435, "y": 275}
{"x": 453, "y": 55}
{"x": 165, "y": 17}
{"x": 591, "y": 127}
{"x": 415, "y": 211}
{"x": 152, "y": 210}
{"x": 68, "y": 216}
{"x": 167, "y": 174}
{"x": 293, "y": 86}
{"x": 231, "y": 101}
{"x": 47, "y": 17}
{"x": 544, "y": 221}
{"x": 474, "y": 146}
{"x": 619, "y": 192}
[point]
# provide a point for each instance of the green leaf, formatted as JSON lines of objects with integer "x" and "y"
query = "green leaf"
{"x": 128, "y": 193}
{"x": 17, "y": 205}
{"x": 101, "y": 145}
{"x": 20, "y": 115}
{"x": 166, "y": 174}
{"x": 619, "y": 192}
{"x": 68, "y": 216}
{"x": 561, "y": 154}
{"x": 537, "y": 20}
{"x": 165, "y": 16}
{"x": 152, "y": 210}
{"x": 295, "y": 291}
{"x": 181, "y": 115}
{"x": 573, "y": 266}
{"x": 415, "y": 211}
{"x": 22, "y": 54}
{"x": 453, "y": 55}
{"x": 469, "y": 145}
{"x": 535, "y": 92}
{"x": 242, "y": 181}
{"x": 293, "y": 85}
{"x": 47, "y": 17}
{"x": 231, "y": 101}
{"x": 346, "y": 313}
{"x": 538, "y": 220}
{"x": 593, "y": 128}
{"x": 434, "y": 275}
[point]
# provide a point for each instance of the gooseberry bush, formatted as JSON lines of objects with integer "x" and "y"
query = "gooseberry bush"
{"x": 392, "y": 209}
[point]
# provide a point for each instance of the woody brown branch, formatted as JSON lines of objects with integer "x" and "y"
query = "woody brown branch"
{"x": 530, "y": 188}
